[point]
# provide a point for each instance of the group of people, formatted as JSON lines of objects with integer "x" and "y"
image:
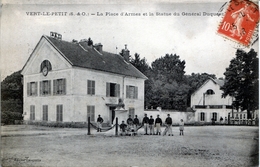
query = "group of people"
{"x": 151, "y": 126}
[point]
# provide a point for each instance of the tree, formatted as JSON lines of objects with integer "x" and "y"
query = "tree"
{"x": 242, "y": 81}
{"x": 169, "y": 68}
{"x": 12, "y": 98}
{"x": 168, "y": 88}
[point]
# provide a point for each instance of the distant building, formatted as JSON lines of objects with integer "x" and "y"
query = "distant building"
{"x": 71, "y": 81}
{"x": 208, "y": 103}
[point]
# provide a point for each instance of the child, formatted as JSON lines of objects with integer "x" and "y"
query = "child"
{"x": 181, "y": 127}
{"x": 123, "y": 127}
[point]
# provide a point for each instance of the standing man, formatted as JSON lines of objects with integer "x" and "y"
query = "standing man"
{"x": 136, "y": 123}
{"x": 158, "y": 124}
{"x": 99, "y": 123}
{"x": 168, "y": 123}
{"x": 151, "y": 125}
{"x": 129, "y": 121}
{"x": 145, "y": 124}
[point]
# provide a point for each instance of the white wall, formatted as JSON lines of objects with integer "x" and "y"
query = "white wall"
{"x": 99, "y": 100}
{"x": 215, "y": 99}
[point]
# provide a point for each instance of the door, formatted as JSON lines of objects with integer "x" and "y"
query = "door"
{"x": 112, "y": 114}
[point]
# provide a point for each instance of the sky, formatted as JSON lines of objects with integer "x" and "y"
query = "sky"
{"x": 193, "y": 38}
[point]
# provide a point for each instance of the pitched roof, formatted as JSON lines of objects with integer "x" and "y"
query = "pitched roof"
{"x": 82, "y": 55}
{"x": 219, "y": 82}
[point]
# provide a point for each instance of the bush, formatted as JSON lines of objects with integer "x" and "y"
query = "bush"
{"x": 8, "y": 117}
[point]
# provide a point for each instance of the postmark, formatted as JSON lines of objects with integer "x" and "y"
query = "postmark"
{"x": 240, "y": 21}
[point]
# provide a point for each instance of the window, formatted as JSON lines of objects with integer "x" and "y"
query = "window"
{"x": 113, "y": 90}
{"x": 214, "y": 116}
{"x": 202, "y": 116}
{"x": 91, "y": 113}
{"x": 45, "y": 112}
{"x": 46, "y": 63}
{"x": 210, "y": 92}
{"x": 91, "y": 87}
{"x": 32, "y": 89}
{"x": 131, "y": 92}
{"x": 59, "y": 112}
{"x": 240, "y": 116}
{"x": 32, "y": 112}
{"x": 59, "y": 86}
{"x": 132, "y": 112}
{"x": 45, "y": 87}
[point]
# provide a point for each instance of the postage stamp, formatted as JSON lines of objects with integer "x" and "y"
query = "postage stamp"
{"x": 240, "y": 21}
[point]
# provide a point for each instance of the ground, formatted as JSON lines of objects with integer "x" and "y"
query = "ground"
{"x": 28, "y": 145}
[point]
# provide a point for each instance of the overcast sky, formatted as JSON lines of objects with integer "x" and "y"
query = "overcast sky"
{"x": 193, "y": 38}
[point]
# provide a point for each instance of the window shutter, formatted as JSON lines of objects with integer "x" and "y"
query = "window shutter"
{"x": 89, "y": 87}
{"x": 49, "y": 87}
{"x": 57, "y": 113}
{"x": 127, "y": 91}
{"x": 93, "y": 113}
{"x": 93, "y": 87}
{"x": 205, "y": 117}
{"x": 61, "y": 113}
{"x": 108, "y": 89}
{"x": 54, "y": 87}
{"x": 28, "y": 89}
{"x": 36, "y": 88}
{"x": 41, "y": 89}
{"x": 198, "y": 116}
{"x": 136, "y": 93}
{"x": 118, "y": 90}
{"x": 64, "y": 86}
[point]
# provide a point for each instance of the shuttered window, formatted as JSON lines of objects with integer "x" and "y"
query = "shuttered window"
{"x": 112, "y": 89}
{"x": 59, "y": 113}
{"x": 32, "y": 88}
{"x": 91, "y": 87}
{"x": 132, "y": 112}
{"x": 214, "y": 116}
{"x": 131, "y": 92}
{"x": 45, "y": 112}
{"x": 91, "y": 113}
{"x": 202, "y": 116}
{"x": 59, "y": 86}
{"x": 45, "y": 87}
{"x": 32, "y": 112}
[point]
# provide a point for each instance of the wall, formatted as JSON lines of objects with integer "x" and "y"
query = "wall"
{"x": 215, "y": 99}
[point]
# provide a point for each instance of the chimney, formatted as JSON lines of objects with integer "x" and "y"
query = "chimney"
{"x": 75, "y": 41}
{"x": 56, "y": 35}
{"x": 126, "y": 54}
{"x": 98, "y": 47}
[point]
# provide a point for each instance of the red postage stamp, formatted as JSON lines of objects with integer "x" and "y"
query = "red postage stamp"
{"x": 240, "y": 21}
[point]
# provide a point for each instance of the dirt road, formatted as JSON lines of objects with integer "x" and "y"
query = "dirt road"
{"x": 201, "y": 146}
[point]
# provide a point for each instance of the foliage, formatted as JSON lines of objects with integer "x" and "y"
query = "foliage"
{"x": 11, "y": 87}
{"x": 167, "y": 86}
{"x": 12, "y": 98}
{"x": 168, "y": 90}
{"x": 169, "y": 68}
{"x": 242, "y": 80}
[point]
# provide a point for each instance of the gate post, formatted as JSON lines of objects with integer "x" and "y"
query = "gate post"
{"x": 116, "y": 126}
{"x": 88, "y": 125}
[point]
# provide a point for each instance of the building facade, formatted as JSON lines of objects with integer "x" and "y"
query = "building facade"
{"x": 71, "y": 81}
{"x": 208, "y": 103}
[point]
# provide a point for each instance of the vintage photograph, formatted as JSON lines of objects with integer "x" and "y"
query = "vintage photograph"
{"x": 129, "y": 83}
